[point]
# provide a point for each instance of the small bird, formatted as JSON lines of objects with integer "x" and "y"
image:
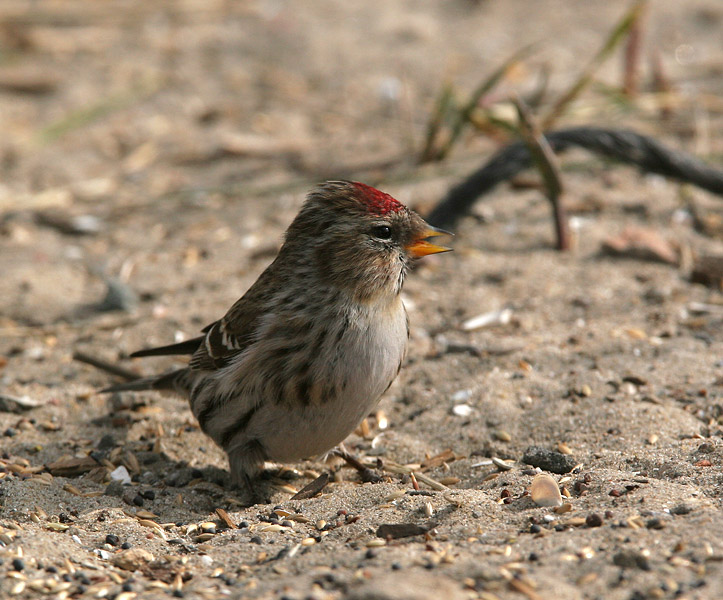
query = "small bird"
{"x": 298, "y": 362}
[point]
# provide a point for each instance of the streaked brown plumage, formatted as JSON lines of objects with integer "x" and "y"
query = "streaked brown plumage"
{"x": 306, "y": 353}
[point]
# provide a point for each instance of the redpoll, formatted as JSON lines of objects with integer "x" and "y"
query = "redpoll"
{"x": 297, "y": 363}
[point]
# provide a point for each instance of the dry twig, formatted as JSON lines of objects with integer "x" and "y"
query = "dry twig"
{"x": 546, "y": 163}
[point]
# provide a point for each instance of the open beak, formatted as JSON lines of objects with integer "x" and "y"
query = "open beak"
{"x": 421, "y": 247}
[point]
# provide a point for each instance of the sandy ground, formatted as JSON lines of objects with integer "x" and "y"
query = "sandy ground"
{"x": 164, "y": 147}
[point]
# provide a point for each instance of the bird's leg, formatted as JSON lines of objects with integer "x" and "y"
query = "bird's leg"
{"x": 246, "y": 464}
{"x": 251, "y": 486}
{"x": 367, "y": 475}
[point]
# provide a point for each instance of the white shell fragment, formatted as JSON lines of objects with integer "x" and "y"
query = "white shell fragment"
{"x": 462, "y": 410}
{"x": 461, "y": 395}
{"x": 16, "y": 404}
{"x": 501, "y": 464}
{"x": 545, "y": 491}
{"x": 495, "y": 317}
{"x": 121, "y": 474}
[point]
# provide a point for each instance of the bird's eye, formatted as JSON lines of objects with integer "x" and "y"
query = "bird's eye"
{"x": 382, "y": 232}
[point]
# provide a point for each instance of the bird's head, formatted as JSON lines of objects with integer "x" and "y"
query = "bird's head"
{"x": 361, "y": 239}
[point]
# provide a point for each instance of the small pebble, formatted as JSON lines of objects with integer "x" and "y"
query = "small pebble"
{"x": 138, "y": 500}
{"x": 118, "y": 296}
{"x": 126, "y": 545}
{"x": 132, "y": 560}
{"x": 107, "y": 442}
{"x": 114, "y": 488}
{"x": 208, "y": 527}
{"x": 18, "y": 564}
{"x": 549, "y": 460}
{"x": 631, "y": 559}
{"x": 9, "y": 432}
{"x": 149, "y": 494}
{"x": 593, "y": 520}
{"x": 629, "y": 389}
{"x": 112, "y": 539}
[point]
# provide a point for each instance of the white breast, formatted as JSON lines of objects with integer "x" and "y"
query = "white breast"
{"x": 368, "y": 360}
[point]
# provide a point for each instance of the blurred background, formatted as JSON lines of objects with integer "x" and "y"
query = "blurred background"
{"x": 153, "y": 152}
{"x": 117, "y": 116}
{"x": 129, "y": 101}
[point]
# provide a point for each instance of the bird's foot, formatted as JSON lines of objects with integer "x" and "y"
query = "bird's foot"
{"x": 367, "y": 475}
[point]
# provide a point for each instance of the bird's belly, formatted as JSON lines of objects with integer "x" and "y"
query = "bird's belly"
{"x": 299, "y": 406}
{"x": 293, "y": 431}
{"x": 305, "y": 432}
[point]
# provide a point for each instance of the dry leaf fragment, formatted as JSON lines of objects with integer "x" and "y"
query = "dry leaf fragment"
{"x": 641, "y": 244}
{"x": 224, "y": 516}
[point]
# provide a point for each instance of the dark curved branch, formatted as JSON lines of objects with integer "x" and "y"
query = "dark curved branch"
{"x": 624, "y": 145}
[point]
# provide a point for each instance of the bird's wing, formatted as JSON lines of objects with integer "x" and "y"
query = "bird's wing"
{"x": 220, "y": 345}
{"x": 232, "y": 334}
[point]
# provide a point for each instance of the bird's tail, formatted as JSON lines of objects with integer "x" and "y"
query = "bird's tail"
{"x": 179, "y": 380}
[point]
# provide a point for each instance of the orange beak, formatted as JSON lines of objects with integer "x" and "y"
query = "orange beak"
{"x": 421, "y": 247}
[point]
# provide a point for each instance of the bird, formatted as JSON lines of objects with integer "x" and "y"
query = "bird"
{"x": 297, "y": 363}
